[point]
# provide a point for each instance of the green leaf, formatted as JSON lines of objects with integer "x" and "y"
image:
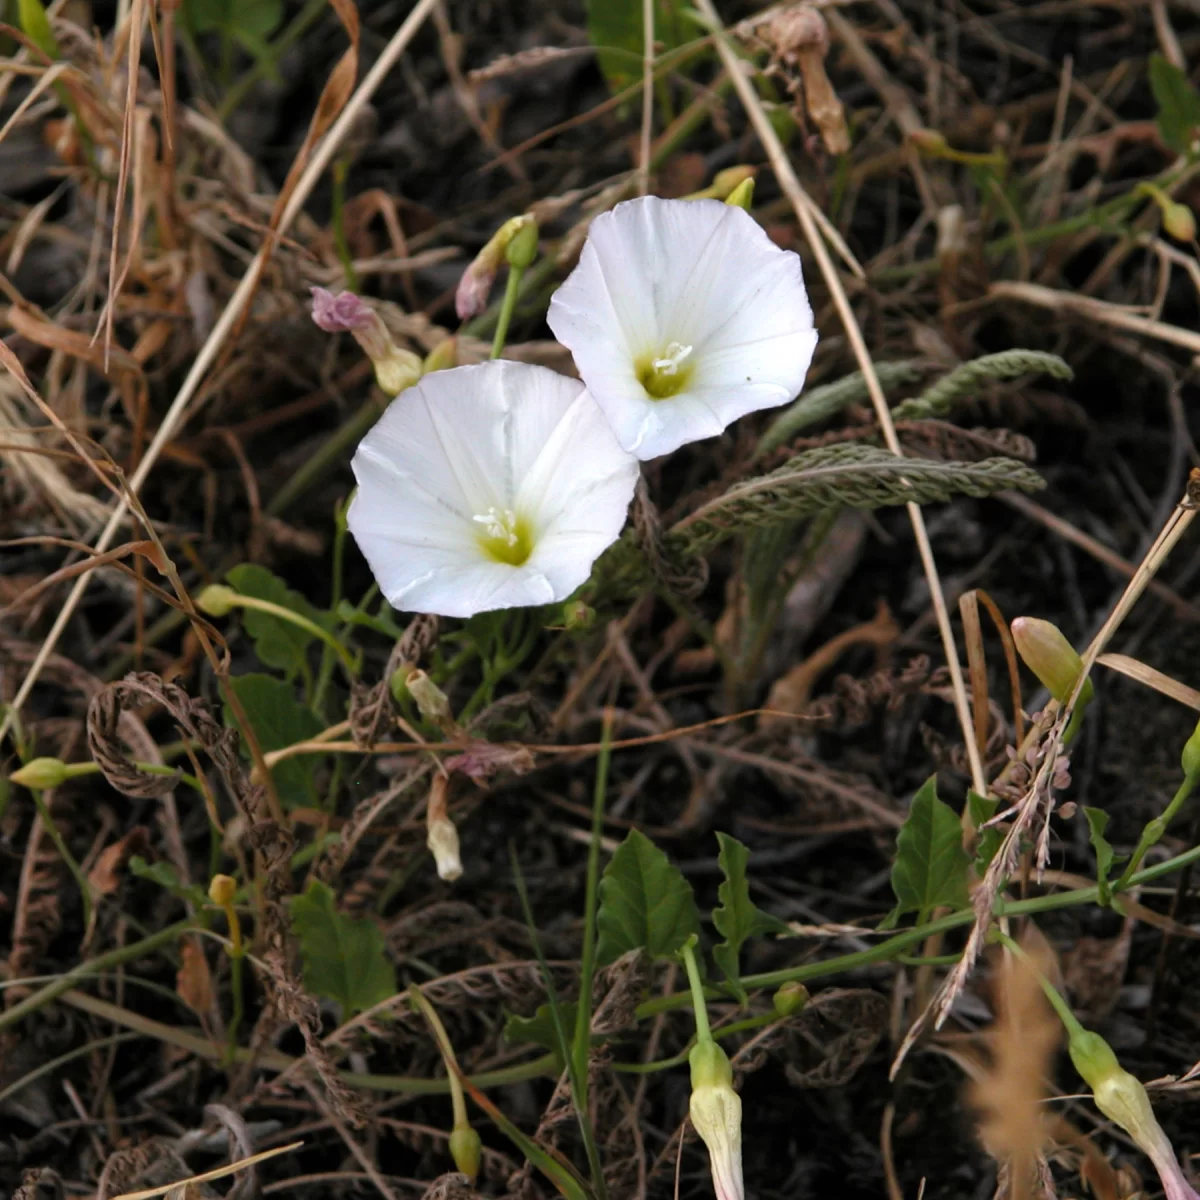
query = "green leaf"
{"x": 737, "y": 918}
{"x": 1097, "y": 820}
{"x": 256, "y": 18}
{"x": 278, "y": 643}
{"x": 615, "y": 29}
{"x": 163, "y": 874}
{"x": 344, "y": 958}
{"x": 35, "y": 25}
{"x": 982, "y": 810}
{"x": 539, "y": 1030}
{"x": 279, "y": 720}
{"x": 645, "y": 903}
{"x": 1178, "y": 104}
{"x": 930, "y": 870}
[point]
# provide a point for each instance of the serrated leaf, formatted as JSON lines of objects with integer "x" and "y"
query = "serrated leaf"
{"x": 278, "y": 643}
{"x": 1178, "y": 104}
{"x": 344, "y": 958}
{"x": 738, "y": 917}
{"x": 645, "y": 903}
{"x": 35, "y": 25}
{"x": 930, "y": 870}
{"x": 982, "y": 810}
{"x": 616, "y": 30}
{"x": 279, "y": 720}
{"x": 539, "y": 1030}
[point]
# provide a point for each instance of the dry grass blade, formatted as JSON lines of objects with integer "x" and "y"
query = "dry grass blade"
{"x": 1144, "y": 673}
{"x": 219, "y": 1173}
{"x": 806, "y": 214}
{"x": 213, "y": 344}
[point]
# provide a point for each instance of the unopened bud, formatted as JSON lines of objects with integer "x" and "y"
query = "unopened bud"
{"x": 1121, "y": 1097}
{"x": 929, "y": 141}
{"x": 522, "y": 250}
{"x": 217, "y": 600}
{"x": 398, "y": 682}
{"x": 40, "y": 773}
{"x": 724, "y": 182}
{"x": 443, "y": 356}
{"x": 578, "y": 615}
{"x": 221, "y": 890}
{"x": 716, "y": 1112}
{"x": 1048, "y": 654}
{"x": 790, "y": 999}
{"x": 1191, "y": 754}
{"x": 442, "y": 840}
{"x": 476, "y": 283}
{"x": 466, "y": 1148}
{"x": 742, "y": 196}
{"x": 1179, "y": 221}
{"x": 432, "y": 702}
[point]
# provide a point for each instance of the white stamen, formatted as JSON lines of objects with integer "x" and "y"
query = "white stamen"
{"x": 673, "y": 359}
{"x": 500, "y": 524}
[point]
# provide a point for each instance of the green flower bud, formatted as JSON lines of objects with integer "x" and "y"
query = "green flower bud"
{"x": 217, "y": 600}
{"x": 522, "y": 250}
{"x": 742, "y": 196}
{"x": 1048, "y": 654}
{"x": 443, "y": 356}
{"x": 466, "y": 1149}
{"x": 578, "y": 615}
{"x": 790, "y": 999}
{"x": 1191, "y": 754}
{"x": 40, "y": 773}
{"x": 1179, "y": 221}
{"x": 398, "y": 683}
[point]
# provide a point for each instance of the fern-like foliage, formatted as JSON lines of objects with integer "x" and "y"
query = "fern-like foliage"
{"x": 936, "y": 400}
{"x": 854, "y": 476}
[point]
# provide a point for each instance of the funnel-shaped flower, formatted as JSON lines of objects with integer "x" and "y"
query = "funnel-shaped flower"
{"x": 682, "y": 317}
{"x": 485, "y": 487}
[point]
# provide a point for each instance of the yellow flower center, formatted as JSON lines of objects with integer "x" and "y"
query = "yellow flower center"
{"x": 666, "y": 374}
{"x": 504, "y": 536}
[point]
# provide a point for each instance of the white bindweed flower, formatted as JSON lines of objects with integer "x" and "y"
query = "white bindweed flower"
{"x": 716, "y": 1112}
{"x": 485, "y": 487}
{"x": 682, "y": 317}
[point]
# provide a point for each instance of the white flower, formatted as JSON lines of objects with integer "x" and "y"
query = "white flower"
{"x": 485, "y": 487}
{"x": 716, "y": 1112}
{"x": 683, "y": 316}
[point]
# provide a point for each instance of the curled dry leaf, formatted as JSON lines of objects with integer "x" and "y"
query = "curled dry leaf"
{"x": 193, "y": 981}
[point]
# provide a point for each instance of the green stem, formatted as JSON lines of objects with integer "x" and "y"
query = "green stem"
{"x": 1070, "y": 1021}
{"x": 696, "y": 991}
{"x": 583, "y": 1019}
{"x": 457, "y": 1099}
{"x": 1154, "y": 830}
{"x": 287, "y": 614}
{"x": 340, "y": 245}
{"x": 511, "y": 288}
{"x": 85, "y": 888}
{"x": 77, "y": 770}
{"x": 239, "y": 1005}
{"x": 677, "y": 1060}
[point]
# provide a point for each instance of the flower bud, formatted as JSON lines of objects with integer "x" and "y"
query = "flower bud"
{"x": 522, "y": 250}
{"x": 217, "y": 600}
{"x": 1048, "y": 654}
{"x": 929, "y": 141}
{"x": 431, "y": 701}
{"x": 578, "y": 615}
{"x": 466, "y": 1148}
{"x": 1121, "y": 1097}
{"x": 40, "y": 773}
{"x": 1179, "y": 221}
{"x": 476, "y": 283}
{"x": 395, "y": 369}
{"x": 442, "y": 840}
{"x": 1191, "y": 754}
{"x": 726, "y": 182}
{"x": 443, "y": 356}
{"x": 742, "y": 196}
{"x": 716, "y": 1112}
{"x": 221, "y": 890}
{"x": 790, "y": 999}
{"x": 398, "y": 681}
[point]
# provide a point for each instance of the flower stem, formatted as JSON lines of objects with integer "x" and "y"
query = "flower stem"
{"x": 457, "y": 1099}
{"x": 1060, "y": 1006}
{"x": 699, "y": 1004}
{"x": 511, "y": 288}
{"x": 1155, "y": 829}
{"x": 286, "y": 614}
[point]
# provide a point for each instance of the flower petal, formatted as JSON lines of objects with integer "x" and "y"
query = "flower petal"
{"x": 475, "y": 440}
{"x": 698, "y": 273}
